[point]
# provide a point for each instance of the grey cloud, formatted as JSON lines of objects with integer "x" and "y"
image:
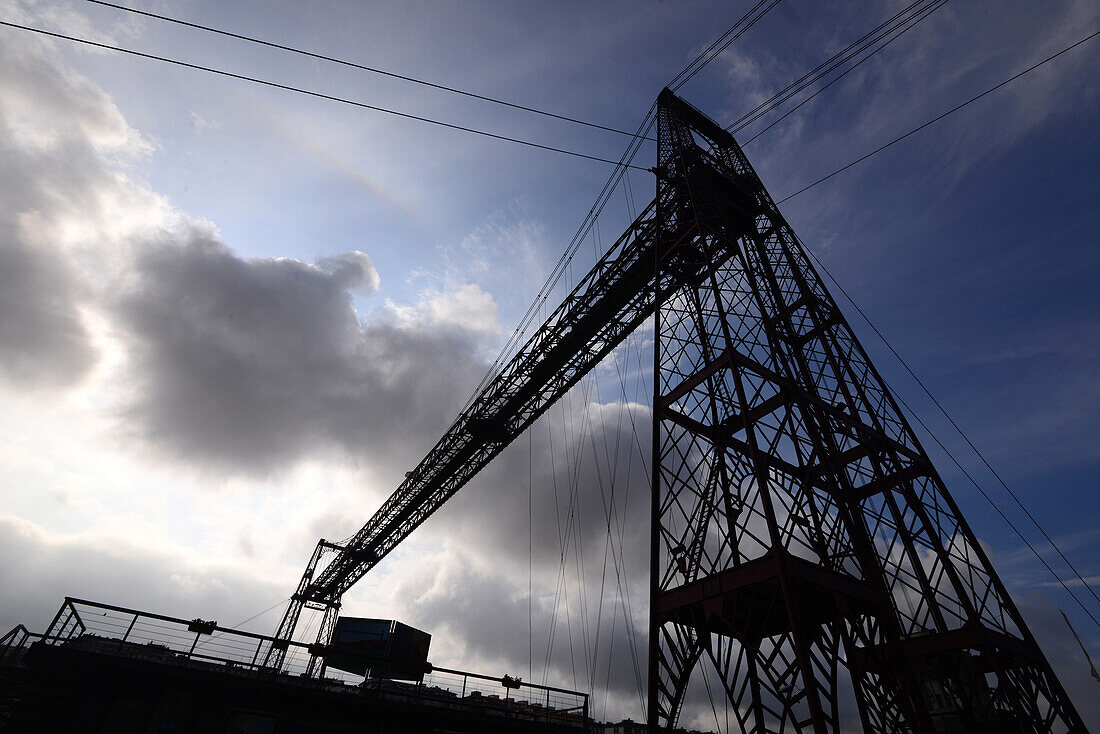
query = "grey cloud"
{"x": 61, "y": 142}
{"x": 43, "y": 341}
{"x": 238, "y": 365}
{"x": 118, "y": 572}
{"x": 353, "y": 271}
{"x": 1062, "y": 651}
{"x": 50, "y": 168}
{"x": 479, "y": 621}
{"x": 254, "y": 364}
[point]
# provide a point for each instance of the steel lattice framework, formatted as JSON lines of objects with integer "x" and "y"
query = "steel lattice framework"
{"x": 802, "y": 540}
{"x": 798, "y": 526}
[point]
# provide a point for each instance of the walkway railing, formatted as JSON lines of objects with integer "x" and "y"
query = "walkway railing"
{"x": 123, "y": 632}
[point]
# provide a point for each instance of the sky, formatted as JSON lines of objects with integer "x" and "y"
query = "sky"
{"x": 232, "y": 317}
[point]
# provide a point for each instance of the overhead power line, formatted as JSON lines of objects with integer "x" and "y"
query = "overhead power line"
{"x": 939, "y": 117}
{"x": 361, "y": 67}
{"x": 829, "y": 64}
{"x": 720, "y": 44}
{"x": 310, "y": 93}
{"x": 885, "y": 30}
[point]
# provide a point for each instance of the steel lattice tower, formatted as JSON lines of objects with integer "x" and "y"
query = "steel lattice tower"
{"x": 802, "y": 542}
{"x": 801, "y": 536}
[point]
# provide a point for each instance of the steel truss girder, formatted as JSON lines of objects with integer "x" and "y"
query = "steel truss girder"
{"x": 800, "y": 533}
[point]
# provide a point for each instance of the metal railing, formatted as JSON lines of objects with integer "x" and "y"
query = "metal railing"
{"x": 509, "y": 696}
{"x": 15, "y": 642}
{"x": 96, "y": 627}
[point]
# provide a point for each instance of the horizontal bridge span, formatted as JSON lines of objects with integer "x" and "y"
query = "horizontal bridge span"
{"x": 612, "y": 300}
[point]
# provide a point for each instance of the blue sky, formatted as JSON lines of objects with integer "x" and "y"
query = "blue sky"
{"x": 146, "y": 206}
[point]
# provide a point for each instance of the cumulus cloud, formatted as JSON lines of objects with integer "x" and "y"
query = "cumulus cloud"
{"x": 253, "y": 364}
{"x": 509, "y": 235}
{"x": 222, "y": 362}
{"x": 230, "y": 363}
{"x": 466, "y": 308}
{"x": 352, "y": 271}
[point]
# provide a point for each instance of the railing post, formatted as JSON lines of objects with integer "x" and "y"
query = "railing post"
{"x": 56, "y": 619}
{"x": 130, "y": 628}
{"x": 77, "y": 621}
{"x": 259, "y": 644}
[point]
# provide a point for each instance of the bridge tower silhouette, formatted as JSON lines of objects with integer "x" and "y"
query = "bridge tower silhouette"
{"x": 802, "y": 541}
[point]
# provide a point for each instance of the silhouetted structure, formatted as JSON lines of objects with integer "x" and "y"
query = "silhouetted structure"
{"x": 800, "y": 533}
{"x": 101, "y": 668}
{"x": 801, "y": 538}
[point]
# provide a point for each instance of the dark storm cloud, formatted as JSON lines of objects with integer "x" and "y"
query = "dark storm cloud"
{"x": 254, "y": 364}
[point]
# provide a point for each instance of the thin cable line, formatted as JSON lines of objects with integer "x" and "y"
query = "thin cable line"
{"x": 993, "y": 504}
{"x": 354, "y": 65}
{"x": 310, "y": 93}
{"x": 954, "y": 424}
{"x": 714, "y": 52}
{"x": 908, "y": 369}
{"x": 939, "y": 117}
{"x": 823, "y": 68}
{"x": 907, "y": 25}
{"x": 240, "y": 624}
{"x": 955, "y": 461}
